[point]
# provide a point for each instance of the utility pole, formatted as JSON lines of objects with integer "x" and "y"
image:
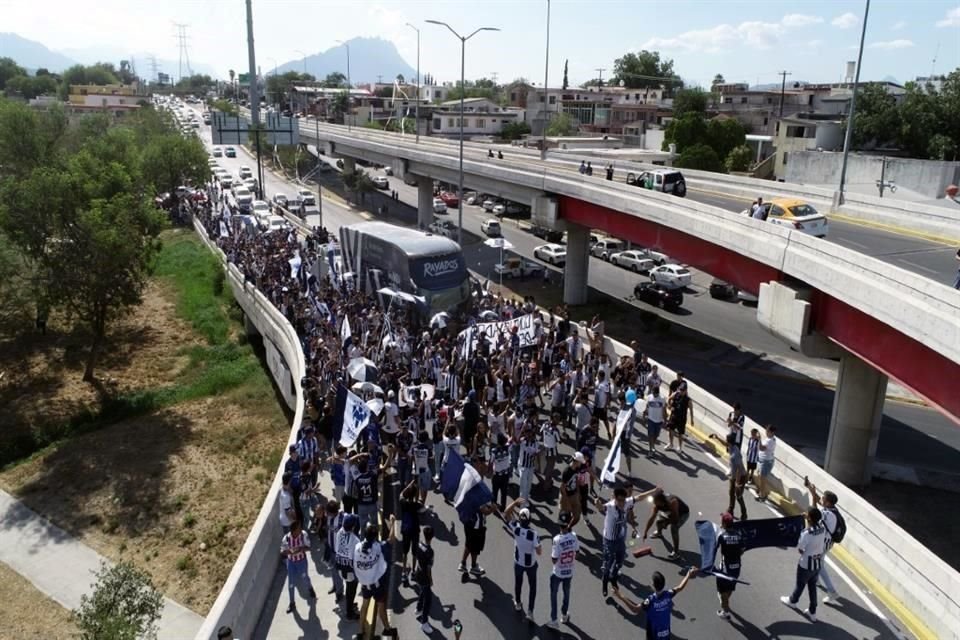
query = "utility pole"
{"x": 494, "y": 74}
{"x": 254, "y": 97}
{"x": 546, "y": 80}
{"x": 600, "y": 71}
{"x": 182, "y": 38}
{"x": 783, "y": 88}
{"x": 853, "y": 103}
{"x": 416, "y": 115}
{"x": 379, "y": 79}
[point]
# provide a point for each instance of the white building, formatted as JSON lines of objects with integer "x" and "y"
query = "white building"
{"x": 481, "y": 116}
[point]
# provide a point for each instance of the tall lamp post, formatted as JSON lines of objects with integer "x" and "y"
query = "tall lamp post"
{"x": 416, "y": 116}
{"x": 546, "y": 79}
{"x": 463, "y": 91}
{"x": 275, "y": 76}
{"x": 349, "y": 86}
{"x": 303, "y": 56}
{"x": 853, "y": 103}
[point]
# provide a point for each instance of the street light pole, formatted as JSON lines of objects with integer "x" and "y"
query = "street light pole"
{"x": 463, "y": 92}
{"x": 349, "y": 86}
{"x": 416, "y": 116}
{"x": 546, "y": 78}
{"x": 853, "y": 104}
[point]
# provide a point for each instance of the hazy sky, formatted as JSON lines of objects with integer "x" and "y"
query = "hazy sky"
{"x": 745, "y": 41}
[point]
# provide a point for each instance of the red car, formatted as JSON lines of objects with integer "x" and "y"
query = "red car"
{"x": 450, "y": 199}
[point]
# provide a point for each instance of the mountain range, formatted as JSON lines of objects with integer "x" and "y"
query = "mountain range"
{"x": 370, "y": 58}
{"x": 33, "y": 55}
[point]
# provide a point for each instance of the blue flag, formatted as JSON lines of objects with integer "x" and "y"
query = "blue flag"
{"x": 463, "y": 484}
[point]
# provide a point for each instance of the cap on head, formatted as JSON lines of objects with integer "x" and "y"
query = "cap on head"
{"x": 292, "y": 448}
{"x": 565, "y": 518}
{"x": 391, "y": 394}
{"x": 579, "y": 457}
{"x": 524, "y": 514}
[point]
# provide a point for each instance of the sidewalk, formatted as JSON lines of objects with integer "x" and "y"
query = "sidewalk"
{"x": 63, "y": 568}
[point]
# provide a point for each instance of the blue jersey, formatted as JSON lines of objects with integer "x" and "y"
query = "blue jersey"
{"x": 337, "y": 474}
{"x": 658, "y": 607}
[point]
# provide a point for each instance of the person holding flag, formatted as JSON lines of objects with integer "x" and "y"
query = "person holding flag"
{"x": 730, "y": 547}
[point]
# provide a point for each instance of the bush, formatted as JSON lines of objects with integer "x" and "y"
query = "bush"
{"x": 219, "y": 278}
{"x": 740, "y": 158}
{"x": 124, "y": 605}
{"x": 514, "y": 130}
{"x": 699, "y": 156}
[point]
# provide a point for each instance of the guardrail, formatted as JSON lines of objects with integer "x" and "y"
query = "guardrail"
{"x": 242, "y": 597}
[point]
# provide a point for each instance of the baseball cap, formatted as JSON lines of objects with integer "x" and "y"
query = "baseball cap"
{"x": 524, "y": 514}
{"x": 292, "y": 447}
{"x": 726, "y": 518}
{"x": 579, "y": 457}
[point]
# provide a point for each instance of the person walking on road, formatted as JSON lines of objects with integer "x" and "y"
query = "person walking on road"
{"x": 569, "y": 487}
{"x": 564, "y": 556}
{"x": 423, "y": 577}
{"x": 345, "y": 543}
{"x": 653, "y": 412}
{"x": 812, "y": 546}
{"x": 667, "y": 511}
{"x": 370, "y": 566}
{"x": 658, "y": 606}
{"x": 475, "y": 539}
{"x": 616, "y": 514}
{"x": 680, "y": 408}
{"x": 730, "y": 548}
{"x": 525, "y": 551}
{"x": 836, "y": 529}
{"x": 766, "y": 458}
{"x": 294, "y": 548}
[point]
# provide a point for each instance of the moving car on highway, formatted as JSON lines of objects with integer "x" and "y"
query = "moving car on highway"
{"x": 245, "y": 172}
{"x": 279, "y": 200}
{"x": 217, "y": 152}
{"x": 795, "y": 214}
{"x": 663, "y": 180}
{"x": 450, "y": 199}
{"x": 551, "y": 253}
{"x": 381, "y": 182}
{"x": 491, "y": 227}
{"x": 439, "y": 206}
{"x": 230, "y": 152}
{"x": 659, "y": 295}
{"x": 517, "y": 267}
{"x": 671, "y": 275}
{"x": 632, "y": 260}
{"x": 443, "y": 228}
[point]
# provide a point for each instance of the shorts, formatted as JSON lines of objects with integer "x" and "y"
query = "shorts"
{"x": 751, "y": 466}
{"x": 476, "y": 539}
{"x": 679, "y": 427}
{"x": 766, "y": 466}
{"x": 571, "y": 504}
{"x": 600, "y": 413}
{"x": 409, "y": 539}
{"x": 424, "y": 481}
{"x": 653, "y": 429}
{"x": 377, "y": 591}
{"x": 728, "y": 586}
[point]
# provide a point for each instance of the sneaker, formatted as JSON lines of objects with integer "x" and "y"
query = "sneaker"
{"x": 669, "y": 447}
{"x": 723, "y": 614}
{"x": 477, "y": 570}
{"x": 811, "y": 616}
{"x": 291, "y": 608}
{"x": 530, "y": 615}
{"x": 517, "y": 606}
{"x": 565, "y": 618}
{"x": 553, "y": 624}
{"x": 604, "y": 591}
{"x": 786, "y": 600}
{"x": 462, "y": 568}
{"x": 332, "y": 591}
{"x": 426, "y": 628}
{"x": 831, "y": 598}
{"x": 656, "y": 535}
{"x": 673, "y": 555}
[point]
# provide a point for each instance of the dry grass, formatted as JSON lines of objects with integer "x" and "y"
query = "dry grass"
{"x": 155, "y": 487}
{"x": 22, "y": 604}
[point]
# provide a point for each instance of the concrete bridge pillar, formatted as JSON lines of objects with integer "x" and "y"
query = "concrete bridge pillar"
{"x": 576, "y": 270}
{"x": 855, "y": 423}
{"x": 349, "y": 164}
{"x": 424, "y": 201}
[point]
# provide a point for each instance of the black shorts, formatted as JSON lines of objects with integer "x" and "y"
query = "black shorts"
{"x": 679, "y": 426}
{"x": 377, "y": 591}
{"x": 409, "y": 540}
{"x": 727, "y": 586}
{"x": 600, "y": 413}
{"x": 476, "y": 539}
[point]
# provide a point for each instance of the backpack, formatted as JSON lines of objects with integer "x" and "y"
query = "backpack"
{"x": 840, "y": 530}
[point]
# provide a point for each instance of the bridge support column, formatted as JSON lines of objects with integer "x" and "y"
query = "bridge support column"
{"x": 349, "y": 164}
{"x": 855, "y": 423}
{"x": 424, "y": 201}
{"x": 576, "y": 270}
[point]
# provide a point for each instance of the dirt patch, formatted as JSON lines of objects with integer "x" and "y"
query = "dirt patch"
{"x": 176, "y": 490}
{"x": 21, "y": 604}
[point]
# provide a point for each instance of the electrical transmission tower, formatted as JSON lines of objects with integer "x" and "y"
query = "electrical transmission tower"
{"x": 182, "y": 38}
{"x": 154, "y": 68}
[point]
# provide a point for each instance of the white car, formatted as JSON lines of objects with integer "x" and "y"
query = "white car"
{"x": 491, "y": 227}
{"x": 489, "y": 204}
{"x": 274, "y": 223}
{"x": 632, "y": 260}
{"x": 657, "y": 257}
{"x": 516, "y": 267}
{"x": 306, "y": 197}
{"x": 245, "y": 172}
{"x": 443, "y": 228}
{"x": 671, "y": 275}
{"x": 381, "y": 182}
{"x": 217, "y": 152}
{"x": 605, "y": 247}
{"x": 439, "y": 206}
{"x": 551, "y": 253}
{"x": 261, "y": 208}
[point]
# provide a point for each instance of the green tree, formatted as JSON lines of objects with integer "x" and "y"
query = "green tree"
{"x": 277, "y": 86}
{"x": 699, "y": 156}
{"x": 685, "y": 131}
{"x": 16, "y": 284}
{"x": 718, "y": 79}
{"x": 566, "y": 81}
{"x": 225, "y": 106}
{"x": 100, "y": 74}
{"x": 876, "y": 120}
{"x": 28, "y": 138}
{"x": 689, "y": 101}
{"x": 124, "y": 605}
{"x": 401, "y": 79}
{"x": 643, "y": 70}
{"x": 172, "y": 160}
{"x": 561, "y": 125}
{"x": 739, "y": 159}
{"x": 724, "y": 135}
{"x": 334, "y": 80}
{"x": 339, "y": 106}
{"x": 514, "y": 130}
{"x": 9, "y": 69}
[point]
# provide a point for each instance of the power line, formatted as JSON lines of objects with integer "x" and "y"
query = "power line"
{"x": 783, "y": 88}
{"x": 182, "y": 38}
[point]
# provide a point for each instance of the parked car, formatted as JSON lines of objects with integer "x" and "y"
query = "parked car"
{"x": 245, "y": 172}
{"x": 381, "y": 182}
{"x": 504, "y": 208}
{"x": 517, "y": 267}
{"x": 671, "y": 275}
{"x": 552, "y": 253}
{"x": 274, "y": 223}
{"x": 450, "y": 199}
{"x": 490, "y": 203}
{"x": 490, "y": 227}
{"x": 594, "y": 239}
{"x": 439, "y": 206}
{"x": 261, "y": 208}
{"x": 663, "y": 180}
{"x": 443, "y": 228}
{"x": 632, "y": 260}
{"x": 657, "y": 257}
{"x": 217, "y": 152}
{"x": 722, "y": 290}
{"x": 605, "y": 247}
{"x": 230, "y": 152}
{"x": 795, "y": 214}
{"x": 659, "y": 295}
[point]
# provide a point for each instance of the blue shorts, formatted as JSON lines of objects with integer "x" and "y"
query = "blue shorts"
{"x": 653, "y": 429}
{"x": 766, "y": 466}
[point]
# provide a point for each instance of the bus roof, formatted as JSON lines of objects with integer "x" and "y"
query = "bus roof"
{"x": 413, "y": 242}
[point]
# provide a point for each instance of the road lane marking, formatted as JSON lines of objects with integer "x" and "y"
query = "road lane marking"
{"x": 920, "y": 266}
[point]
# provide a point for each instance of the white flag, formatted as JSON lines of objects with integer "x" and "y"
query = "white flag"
{"x": 356, "y": 416}
{"x": 345, "y": 332}
{"x": 295, "y": 263}
{"x": 612, "y": 464}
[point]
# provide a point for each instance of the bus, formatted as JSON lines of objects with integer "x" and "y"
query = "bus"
{"x": 420, "y": 267}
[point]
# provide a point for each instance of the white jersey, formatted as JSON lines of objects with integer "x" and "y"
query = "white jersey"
{"x": 392, "y": 414}
{"x": 344, "y": 544}
{"x": 615, "y": 519}
{"x": 550, "y": 437}
{"x": 655, "y": 408}
{"x": 369, "y": 565}
{"x": 525, "y": 545}
{"x": 564, "y": 554}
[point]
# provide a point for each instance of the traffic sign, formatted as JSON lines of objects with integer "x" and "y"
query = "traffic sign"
{"x": 243, "y": 78}
{"x": 228, "y": 129}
